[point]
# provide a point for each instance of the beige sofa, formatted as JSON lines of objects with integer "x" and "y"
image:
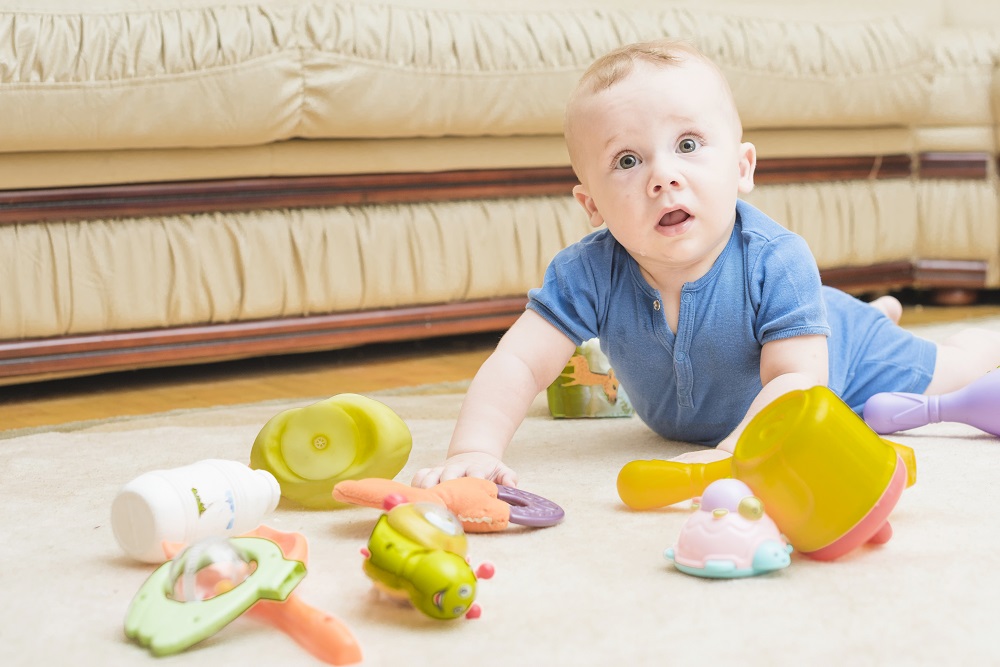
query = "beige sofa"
{"x": 185, "y": 181}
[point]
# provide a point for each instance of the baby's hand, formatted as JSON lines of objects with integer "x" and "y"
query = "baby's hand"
{"x": 702, "y": 456}
{"x": 468, "y": 464}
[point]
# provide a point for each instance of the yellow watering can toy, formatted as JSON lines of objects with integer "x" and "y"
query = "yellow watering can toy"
{"x": 828, "y": 480}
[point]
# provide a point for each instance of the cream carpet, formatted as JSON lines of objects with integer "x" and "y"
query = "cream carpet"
{"x": 594, "y": 590}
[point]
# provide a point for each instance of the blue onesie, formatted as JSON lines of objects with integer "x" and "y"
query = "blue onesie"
{"x": 696, "y": 385}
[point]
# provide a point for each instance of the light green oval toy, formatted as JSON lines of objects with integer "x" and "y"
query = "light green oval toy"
{"x": 348, "y": 436}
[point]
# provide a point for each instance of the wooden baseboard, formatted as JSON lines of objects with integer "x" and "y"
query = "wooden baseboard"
{"x": 48, "y": 358}
{"x": 65, "y": 356}
{"x": 246, "y": 194}
{"x": 923, "y": 274}
{"x": 954, "y": 166}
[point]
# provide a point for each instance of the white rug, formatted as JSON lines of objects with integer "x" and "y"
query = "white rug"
{"x": 594, "y": 590}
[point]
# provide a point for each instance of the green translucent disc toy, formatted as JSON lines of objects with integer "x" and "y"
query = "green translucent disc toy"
{"x": 206, "y": 587}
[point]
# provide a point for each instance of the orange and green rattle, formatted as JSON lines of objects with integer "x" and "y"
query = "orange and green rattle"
{"x": 828, "y": 480}
{"x": 319, "y": 632}
{"x": 206, "y": 587}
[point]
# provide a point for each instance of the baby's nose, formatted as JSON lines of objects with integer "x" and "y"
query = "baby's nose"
{"x": 664, "y": 178}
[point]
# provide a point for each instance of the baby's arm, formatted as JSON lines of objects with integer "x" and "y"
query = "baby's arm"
{"x": 785, "y": 365}
{"x": 527, "y": 360}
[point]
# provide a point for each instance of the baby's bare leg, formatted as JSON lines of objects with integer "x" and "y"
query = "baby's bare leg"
{"x": 964, "y": 357}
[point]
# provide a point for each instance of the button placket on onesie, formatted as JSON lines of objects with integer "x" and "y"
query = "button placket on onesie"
{"x": 678, "y": 345}
{"x": 682, "y": 347}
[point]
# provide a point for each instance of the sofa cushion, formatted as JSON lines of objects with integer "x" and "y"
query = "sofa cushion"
{"x": 965, "y": 64}
{"x": 115, "y": 275}
{"x": 124, "y": 75}
{"x": 295, "y": 157}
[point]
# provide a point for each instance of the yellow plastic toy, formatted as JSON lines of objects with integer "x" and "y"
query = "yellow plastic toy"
{"x": 648, "y": 484}
{"x": 348, "y": 436}
{"x": 828, "y": 480}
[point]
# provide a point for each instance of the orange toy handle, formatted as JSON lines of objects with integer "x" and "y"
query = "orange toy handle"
{"x": 645, "y": 485}
{"x": 318, "y": 632}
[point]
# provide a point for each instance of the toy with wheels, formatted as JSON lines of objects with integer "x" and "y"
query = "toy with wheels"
{"x": 417, "y": 552}
{"x": 729, "y": 536}
{"x": 977, "y": 404}
{"x": 348, "y": 436}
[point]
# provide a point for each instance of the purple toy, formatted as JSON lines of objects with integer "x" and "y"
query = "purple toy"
{"x": 527, "y": 509}
{"x": 977, "y": 404}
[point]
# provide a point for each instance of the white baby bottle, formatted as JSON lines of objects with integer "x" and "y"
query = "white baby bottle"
{"x": 210, "y": 498}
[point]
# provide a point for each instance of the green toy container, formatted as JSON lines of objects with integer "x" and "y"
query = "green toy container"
{"x": 587, "y": 387}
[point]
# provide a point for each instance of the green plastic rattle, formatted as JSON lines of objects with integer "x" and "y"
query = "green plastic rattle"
{"x": 205, "y": 588}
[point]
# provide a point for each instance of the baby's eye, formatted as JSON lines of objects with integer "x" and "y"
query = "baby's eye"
{"x": 688, "y": 145}
{"x": 627, "y": 161}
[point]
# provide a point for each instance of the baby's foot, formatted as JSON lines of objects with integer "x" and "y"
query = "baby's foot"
{"x": 889, "y": 306}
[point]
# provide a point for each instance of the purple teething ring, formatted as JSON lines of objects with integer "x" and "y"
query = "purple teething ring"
{"x": 527, "y": 509}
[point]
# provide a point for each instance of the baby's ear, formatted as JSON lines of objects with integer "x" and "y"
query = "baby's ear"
{"x": 747, "y": 165}
{"x": 587, "y": 202}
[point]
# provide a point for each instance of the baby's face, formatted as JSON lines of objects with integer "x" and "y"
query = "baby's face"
{"x": 660, "y": 162}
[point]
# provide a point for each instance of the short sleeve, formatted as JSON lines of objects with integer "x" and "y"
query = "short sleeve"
{"x": 786, "y": 290}
{"x": 570, "y": 298}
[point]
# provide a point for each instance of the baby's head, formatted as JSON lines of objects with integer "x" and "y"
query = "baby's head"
{"x": 619, "y": 64}
{"x": 655, "y": 138}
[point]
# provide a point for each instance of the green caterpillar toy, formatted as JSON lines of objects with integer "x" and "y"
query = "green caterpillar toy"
{"x": 417, "y": 552}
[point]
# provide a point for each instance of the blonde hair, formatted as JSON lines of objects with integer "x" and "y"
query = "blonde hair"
{"x": 618, "y": 64}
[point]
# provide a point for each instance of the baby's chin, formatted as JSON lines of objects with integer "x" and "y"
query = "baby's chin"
{"x": 676, "y": 265}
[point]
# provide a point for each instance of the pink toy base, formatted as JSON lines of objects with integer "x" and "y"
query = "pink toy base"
{"x": 874, "y": 527}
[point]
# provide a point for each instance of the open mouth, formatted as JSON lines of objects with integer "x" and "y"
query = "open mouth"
{"x": 674, "y": 218}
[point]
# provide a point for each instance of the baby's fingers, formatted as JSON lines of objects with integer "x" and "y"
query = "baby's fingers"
{"x": 488, "y": 471}
{"x": 506, "y": 477}
{"x": 458, "y": 470}
{"x": 466, "y": 465}
{"x": 425, "y": 478}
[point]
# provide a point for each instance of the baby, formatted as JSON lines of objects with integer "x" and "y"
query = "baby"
{"x": 706, "y": 308}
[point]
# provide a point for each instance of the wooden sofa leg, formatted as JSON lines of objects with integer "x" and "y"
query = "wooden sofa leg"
{"x": 954, "y": 296}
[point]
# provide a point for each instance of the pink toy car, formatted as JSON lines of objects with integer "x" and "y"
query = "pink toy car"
{"x": 729, "y": 536}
